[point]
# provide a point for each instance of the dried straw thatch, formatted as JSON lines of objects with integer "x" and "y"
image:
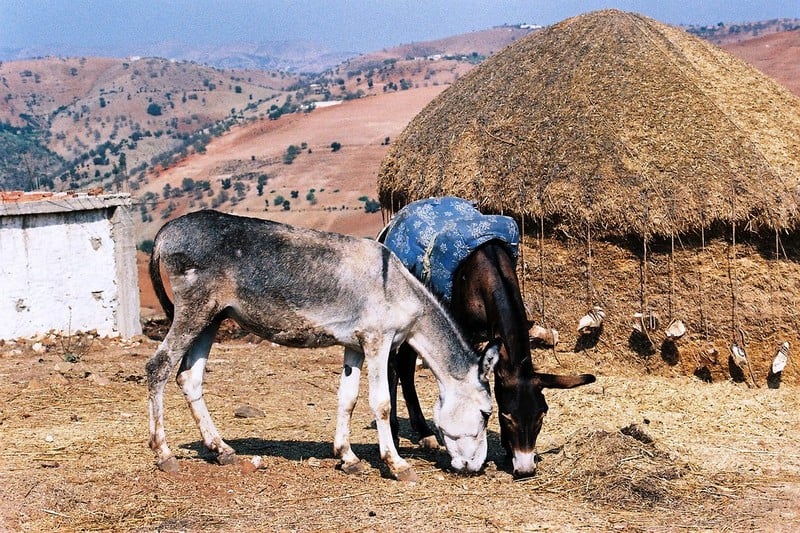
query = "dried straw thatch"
{"x": 609, "y": 121}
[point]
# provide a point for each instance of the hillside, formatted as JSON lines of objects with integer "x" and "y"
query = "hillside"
{"x": 82, "y": 107}
{"x": 775, "y": 54}
{"x": 724, "y": 33}
{"x": 381, "y": 93}
{"x": 102, "y": 122}
{"x": 294, "y": 56}
{"x": 322, "y": 187}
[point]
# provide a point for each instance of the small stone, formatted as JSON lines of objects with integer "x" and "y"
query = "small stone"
{"x": 54, "y": 379}
{"x": 63, "y": 367}
{"x": 248, "y": 411}
{"x": 248, "y": 467}
{"x": 99, "y": 380}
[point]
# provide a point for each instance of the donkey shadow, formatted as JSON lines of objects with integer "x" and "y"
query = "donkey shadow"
{"x": 293, "y": 450}
{"x": 368, "y": 452}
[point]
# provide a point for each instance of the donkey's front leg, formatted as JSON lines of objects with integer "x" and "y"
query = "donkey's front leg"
{"x": 348, "y": 395}
{"x": 380, "y": 402}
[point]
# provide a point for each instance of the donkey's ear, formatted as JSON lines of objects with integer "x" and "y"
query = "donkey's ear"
{"x": 554, "y": 381}
{"x": 490, "y": 357}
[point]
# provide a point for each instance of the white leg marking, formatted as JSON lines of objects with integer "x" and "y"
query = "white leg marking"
{"x": 380, "y": 401}
{"x": 348, "y": 395}
{"x": 191, "y": 383}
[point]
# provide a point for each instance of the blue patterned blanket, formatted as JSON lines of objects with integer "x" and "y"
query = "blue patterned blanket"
{"x": 432, "y": 237}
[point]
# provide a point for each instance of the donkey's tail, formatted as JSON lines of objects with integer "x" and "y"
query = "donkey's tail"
{"x": 158, "y": 282}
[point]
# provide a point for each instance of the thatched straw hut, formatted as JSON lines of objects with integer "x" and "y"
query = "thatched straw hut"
{"x": 628, "y": 146}
{"x": 609, "y": 119}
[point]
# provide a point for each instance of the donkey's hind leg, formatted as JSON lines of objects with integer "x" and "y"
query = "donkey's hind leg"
{"x": 348, "y": 395}
{"x": 406, "y": 362}
{"x": 172, "y": 349}
{"x": 186, "y": 328}
{"x": 190, "y": 380}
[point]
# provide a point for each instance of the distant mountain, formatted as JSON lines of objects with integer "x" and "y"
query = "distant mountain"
{"x": 287, "y": 56}
{"x": 68, "y": 122}
{"x": 722, "y": 33}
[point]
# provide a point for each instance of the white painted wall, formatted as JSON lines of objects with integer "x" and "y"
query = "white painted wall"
{"x": 59, "y": 272}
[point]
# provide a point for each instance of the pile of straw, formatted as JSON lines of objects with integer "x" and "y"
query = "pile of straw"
{"x": 624, "y": 470}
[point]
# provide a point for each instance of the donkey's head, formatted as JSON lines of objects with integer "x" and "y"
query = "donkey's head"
{"x": 462, "y": 413}
{"x": 522, "y": 409}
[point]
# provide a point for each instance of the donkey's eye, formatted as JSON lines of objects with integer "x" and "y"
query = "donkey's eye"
{"x": 486, "y": 415}
{"x": 509, "y": 418}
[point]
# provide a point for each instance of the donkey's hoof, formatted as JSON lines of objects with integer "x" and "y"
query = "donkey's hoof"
{"x": 169, "y": 465}
{"x": 407, "y": 476}
{"x": 359, "y": 467}
{"x": 429, "y": 443}
{"x": 226, "y": 458}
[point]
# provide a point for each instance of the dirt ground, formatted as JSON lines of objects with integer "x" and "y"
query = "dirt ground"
{"x": 627, "y": 453}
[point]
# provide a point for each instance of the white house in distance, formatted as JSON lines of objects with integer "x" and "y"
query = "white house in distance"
{"x": 67, "y": 265}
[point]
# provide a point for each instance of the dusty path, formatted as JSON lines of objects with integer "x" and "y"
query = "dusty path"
{"x": 723, "y": 457}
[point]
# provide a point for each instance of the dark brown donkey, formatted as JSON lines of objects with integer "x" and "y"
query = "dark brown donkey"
{"x": 487, "y": 304}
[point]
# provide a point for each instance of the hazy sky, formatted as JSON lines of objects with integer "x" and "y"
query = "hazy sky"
{"x": 352, "y": 26}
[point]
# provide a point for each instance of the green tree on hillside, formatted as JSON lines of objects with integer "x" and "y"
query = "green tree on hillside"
{"x": 262, "y": 180}
{"x": 291, "y": 154}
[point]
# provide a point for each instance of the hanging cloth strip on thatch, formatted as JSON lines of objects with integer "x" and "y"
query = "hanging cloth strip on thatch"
{"x": 432, "y": 237}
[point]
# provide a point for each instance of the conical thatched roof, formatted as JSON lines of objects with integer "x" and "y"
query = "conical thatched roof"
{"x": 613, "y": 120}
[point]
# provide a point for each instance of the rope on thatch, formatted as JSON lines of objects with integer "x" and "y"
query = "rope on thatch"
{"x": 704, "y": 327}
{"x": 643, "y": 303}
{"x": 646, "y": 316}
{"x": 779, "y": 249}
{"x": 589, "y": 279}
{"x": 497, "y": 137}
{"x": 732, "y": 273}
{"x": 671, "y": 273}
{"x": 541, "y": 269}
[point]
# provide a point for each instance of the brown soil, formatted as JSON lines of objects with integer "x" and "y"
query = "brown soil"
{"x": 722, "y": 456}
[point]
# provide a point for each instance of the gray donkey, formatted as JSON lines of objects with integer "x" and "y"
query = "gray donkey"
{"x": 305, "y": 288}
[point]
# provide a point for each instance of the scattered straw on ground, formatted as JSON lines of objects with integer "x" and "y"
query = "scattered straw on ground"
{"x": 722, "y": 456}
